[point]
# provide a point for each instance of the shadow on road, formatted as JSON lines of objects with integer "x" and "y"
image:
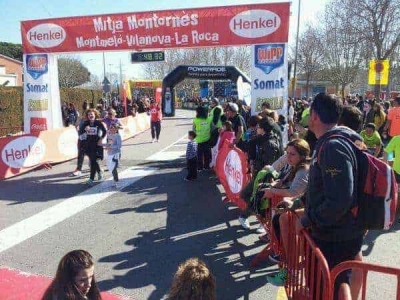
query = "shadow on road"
{"x": 373, "y": 236}
{"x": 198, "y": 225}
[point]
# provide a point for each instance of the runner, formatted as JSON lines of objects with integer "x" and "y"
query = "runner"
{"x": 155, "y": 120}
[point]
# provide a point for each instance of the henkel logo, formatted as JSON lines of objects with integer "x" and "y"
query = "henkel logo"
{"x": 255, "y": 23}
{"x": 36, "y": 65}
{"x": 38, "y": 124}
{"x": 269, "y": 57}
{"x": 233, "y": 171}
{"x": 23, "y": 152}
{"x": 46, "y": 35}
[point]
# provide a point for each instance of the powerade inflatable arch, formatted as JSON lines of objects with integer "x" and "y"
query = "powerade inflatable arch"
{"x": 197, "y": 72}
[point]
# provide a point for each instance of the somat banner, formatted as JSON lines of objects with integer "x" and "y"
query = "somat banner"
{"x": 200, "y": 27}
{"x": 231, "y": 168}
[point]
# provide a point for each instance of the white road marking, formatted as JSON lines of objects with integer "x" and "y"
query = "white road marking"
{"x": 27, "y": 228}
{"x": 167, "y": 155}
{"x": 51, "y": 216}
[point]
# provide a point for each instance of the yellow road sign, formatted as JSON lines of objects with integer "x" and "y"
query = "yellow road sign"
{"x": 378, "y": 72}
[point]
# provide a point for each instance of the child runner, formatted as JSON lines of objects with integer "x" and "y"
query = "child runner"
{"x": 113, "y": 147}
{"x": 191, "y": 157}
{"x": 226, "y": 133}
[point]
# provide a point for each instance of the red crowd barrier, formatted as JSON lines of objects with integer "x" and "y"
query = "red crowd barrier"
{"x": 309, "y": 277}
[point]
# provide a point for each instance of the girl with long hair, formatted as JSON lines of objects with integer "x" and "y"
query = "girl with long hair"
{"x": 75, "y": 279}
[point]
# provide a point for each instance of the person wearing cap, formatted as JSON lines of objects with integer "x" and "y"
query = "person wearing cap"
{"x": 238, "y": 123}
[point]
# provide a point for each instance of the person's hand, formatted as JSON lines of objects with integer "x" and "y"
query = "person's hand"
{"x": 231, "y": 145}
{"x": 299, "y": 226}
{"x": 87, "y": 128}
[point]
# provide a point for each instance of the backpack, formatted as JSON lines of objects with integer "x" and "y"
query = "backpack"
{"x": 262, "y": 181}
{"x": 377, "y": 202}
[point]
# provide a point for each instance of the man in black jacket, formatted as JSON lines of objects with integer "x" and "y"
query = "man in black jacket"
{"x": 332, "y": 191}
{"x": 263, "y": 150}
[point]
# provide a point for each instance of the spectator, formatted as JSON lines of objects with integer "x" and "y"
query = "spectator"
{"x": 351, "y": 117}
{"x": 264, "y": 150}
{"x": 238, "y": 124}
{"x": 114, "y": 143}
{"x": 75, "y": 279}
{"x": 72, "y": 115}
{"x": 226, "y": 133}
{"x": 193, "y": 281}
{"x": 217, "y": 117}
{"x": 328, "y": 213}
{"x": 372, "y": 139}
{"x": 191, "y": 157}
{"x": 64, "y": 113}
{"x": 393, "y": 119}
{"x": 379, "y": 117}
{"x": 202, "y": 127}
{"x": 369, "y": 113}
{"x": 394, "y": 146}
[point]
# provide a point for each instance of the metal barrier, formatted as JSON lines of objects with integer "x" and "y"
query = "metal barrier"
{"x": 364, "y": 268}
{"x": 308, "y": 272}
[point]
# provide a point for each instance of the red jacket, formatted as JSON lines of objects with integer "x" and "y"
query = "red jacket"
{"x": 155, "y": 113}
{"x": 225, "y": 135}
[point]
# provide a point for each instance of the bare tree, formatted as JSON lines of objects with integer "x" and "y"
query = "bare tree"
{"x": 344, "y": 51}
{"x": 311, "y": 53}
{"x": 71, "y": 72}
{"x": 378, "y": 23}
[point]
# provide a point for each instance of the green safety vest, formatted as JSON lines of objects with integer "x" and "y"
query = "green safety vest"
{"x": 202, "y": 127}
{"x": 211, "y": 116}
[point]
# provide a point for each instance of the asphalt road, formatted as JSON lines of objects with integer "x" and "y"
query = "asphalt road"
{"x": 139, "y": 234}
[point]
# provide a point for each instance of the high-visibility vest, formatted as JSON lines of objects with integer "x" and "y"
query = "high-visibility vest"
{"x": 211, "y": 116}
{"x": 202, "y": 127}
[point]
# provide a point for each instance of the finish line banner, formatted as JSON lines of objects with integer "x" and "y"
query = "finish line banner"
{"x": 184, "y": 28}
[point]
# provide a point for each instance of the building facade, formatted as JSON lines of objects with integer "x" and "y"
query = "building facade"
{"x": 10, "y": 71}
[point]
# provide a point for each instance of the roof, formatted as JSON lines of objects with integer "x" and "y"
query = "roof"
{"x": 12, "y": 59}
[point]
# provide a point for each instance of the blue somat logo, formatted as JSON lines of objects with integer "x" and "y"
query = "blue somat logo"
{"x": 269, "y": 57}
{"x": 37, "y": 65}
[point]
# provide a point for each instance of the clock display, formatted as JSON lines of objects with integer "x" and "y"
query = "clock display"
{"x": 147, "y": 56}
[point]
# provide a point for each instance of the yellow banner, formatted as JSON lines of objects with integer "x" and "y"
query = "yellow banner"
{"x": 378, "y": 72}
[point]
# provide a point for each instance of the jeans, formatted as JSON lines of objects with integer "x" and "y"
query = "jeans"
{"x": 155, "y": 129}
{"x": 81, "y": 157}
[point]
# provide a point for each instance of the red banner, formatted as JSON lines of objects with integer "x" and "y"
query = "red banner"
{"x": 231, "y": 168}
{"x": 184, "y": 28}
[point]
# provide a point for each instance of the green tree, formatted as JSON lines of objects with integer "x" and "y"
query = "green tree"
{"x": 71, "y": 72}
{"x": 11, "y": 50}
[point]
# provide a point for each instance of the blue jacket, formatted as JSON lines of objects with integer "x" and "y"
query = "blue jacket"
{"x": 332, "y": 188}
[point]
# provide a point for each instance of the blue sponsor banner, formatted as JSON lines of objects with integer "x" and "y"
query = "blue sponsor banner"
{"x": 269, "y": 57}
{"x": 37, "y": 65}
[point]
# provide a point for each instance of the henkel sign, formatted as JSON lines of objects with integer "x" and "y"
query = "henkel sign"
{"x": 233, "y": 171}
{"x": 23, "y": 152}
{"x": 46, "y": 35}
{"x": 255, "y": 23}
{"x": 184, "y": 28}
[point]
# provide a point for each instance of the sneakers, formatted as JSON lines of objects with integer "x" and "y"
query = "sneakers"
{"x": 100, "y": 175}
{"x": 156, "y": 141}
{"x": 153, "y": 140}
{"x": 187, "y": 179}
{"x": 244, "y": 222}
{"x": 279, "y": 279}
{"x": 261, "y": 229}
{"x": 89, "y": 182}
{"x": 77, "y": 173}
{"x": 275, "y": 258}
{"x": 115, "y": 184}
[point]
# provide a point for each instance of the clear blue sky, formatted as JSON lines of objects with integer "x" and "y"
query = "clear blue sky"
{"x": 12, "y": 12}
